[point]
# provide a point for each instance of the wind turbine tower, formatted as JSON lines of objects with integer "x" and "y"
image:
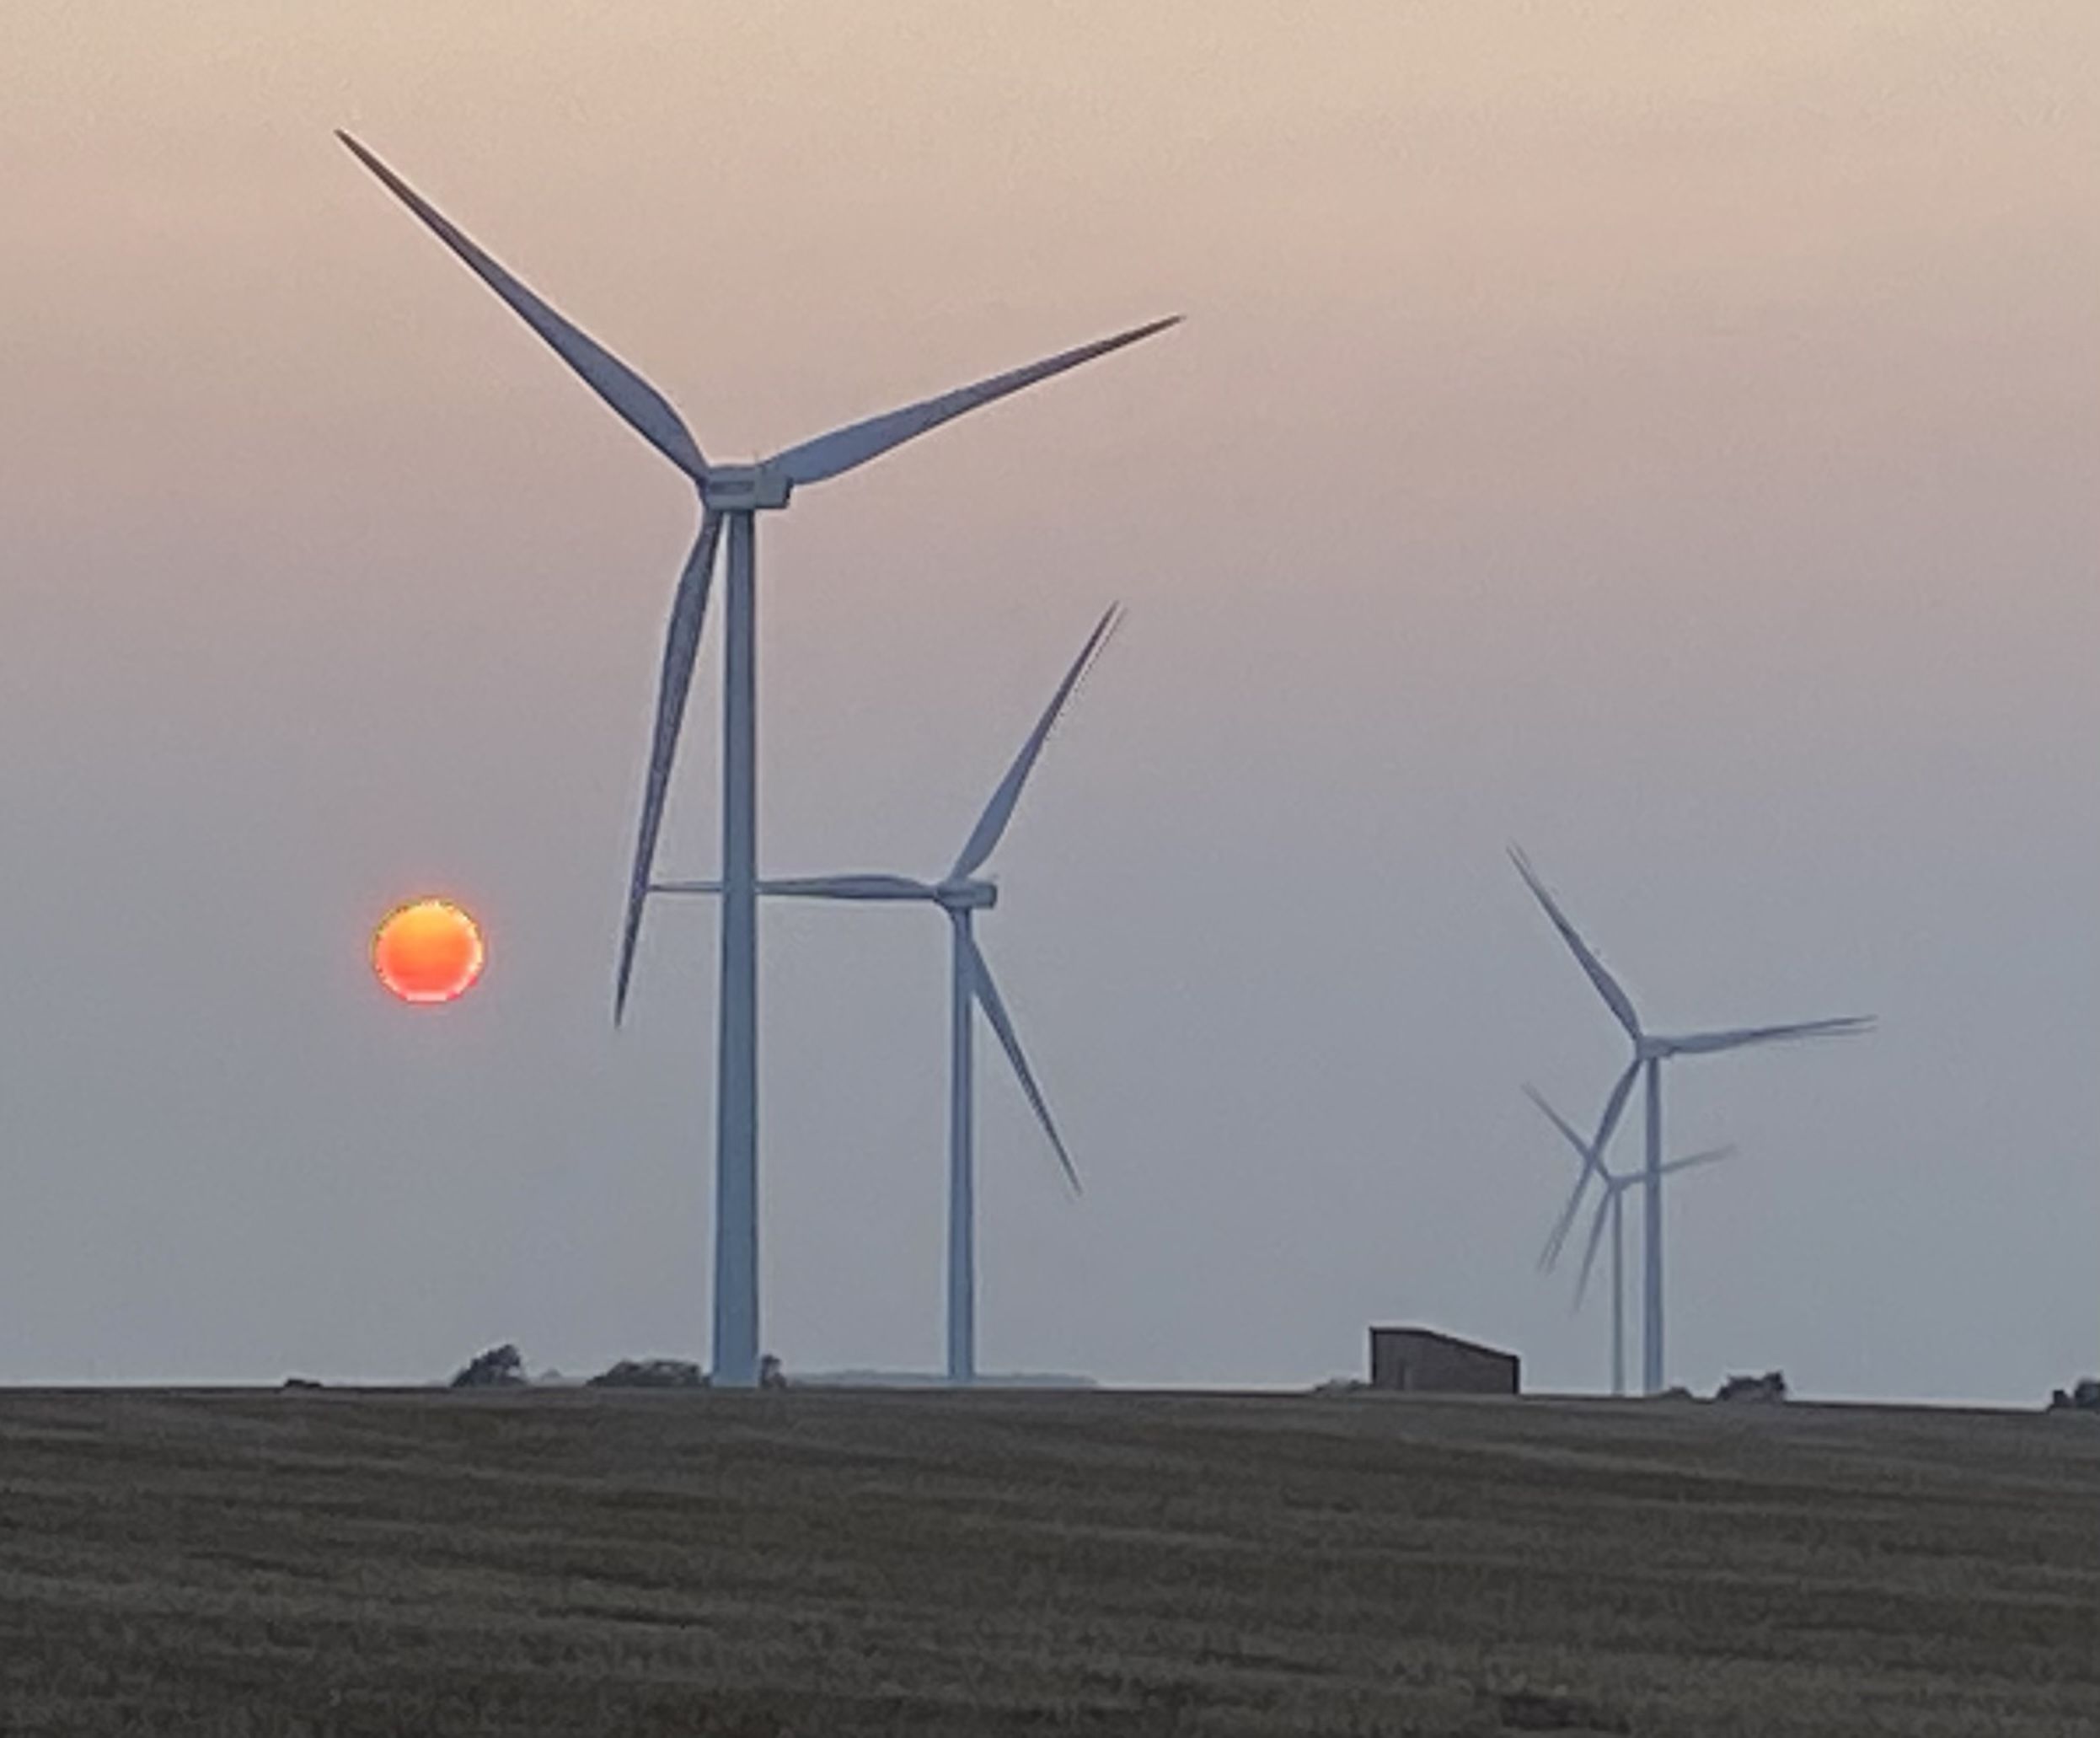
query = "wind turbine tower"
{"x": 1650, "y": 1051}
{"x": 731, "y": 496}
{"x": 961, "y": 893}
{"x": 1612, "y": 1202}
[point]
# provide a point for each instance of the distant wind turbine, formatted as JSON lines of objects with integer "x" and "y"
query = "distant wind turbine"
{"x": 731, "y": 496}
{"x": 963, "y": 892}
{"x": 1650, "y": 1052}
{"x": 1615, "y": 1185}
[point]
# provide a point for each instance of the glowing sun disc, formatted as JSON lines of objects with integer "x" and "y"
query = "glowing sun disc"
{"x": 429, "y": 951}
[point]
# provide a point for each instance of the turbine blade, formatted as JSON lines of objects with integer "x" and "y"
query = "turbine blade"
{"x": 991, "y": 825}
{"x": 639, "y": 405}
{"x": 817, "y": 886}
{"x": 1567, "y": 1130}
{"x": 1607, "y": 987}
{"x": 680, "y": 645}
{"x": 842, "y": 449}
{"x": 1558, "y": 1235}
{"x": 1589, "y": 1249}
{"x": 989, "y": 999}
{"x": 1614, "y": 1107}
{"x": 848, "y": 887}
{"x": 1704, "y": 1043}
{"x": 1712, "y": 1156}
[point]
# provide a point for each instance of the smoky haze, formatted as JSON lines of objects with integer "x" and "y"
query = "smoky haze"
{"x": 1663, "y": 438}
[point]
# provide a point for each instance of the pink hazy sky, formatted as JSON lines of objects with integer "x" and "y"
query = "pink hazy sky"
{"x": 1662, "y": 434}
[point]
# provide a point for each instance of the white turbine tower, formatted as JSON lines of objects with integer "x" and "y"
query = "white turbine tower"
{"x": 1650, "y": 1052}
{"x": 731, "y": 496}
{"x": 961, "y": 892}
{"x": 1615, "y": 1185}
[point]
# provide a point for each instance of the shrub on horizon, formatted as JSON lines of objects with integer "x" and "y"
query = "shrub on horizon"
{"x": 499, "y": 1367}
{"x": 650, "y": 1373}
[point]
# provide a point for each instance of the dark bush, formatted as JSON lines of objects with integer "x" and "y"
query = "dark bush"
{"x": 499, "y": 1367}
{"x": 650, "y": 1373}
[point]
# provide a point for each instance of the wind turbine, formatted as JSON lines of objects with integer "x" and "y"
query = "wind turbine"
{"x": 1650, "y": 1052}
{"x": 731, "y": 496}
{"x": 963, "y": 892}
{"x": 1615, "y": 1185}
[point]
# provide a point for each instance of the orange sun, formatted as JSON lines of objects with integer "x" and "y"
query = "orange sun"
{"x": 428, "y": 951}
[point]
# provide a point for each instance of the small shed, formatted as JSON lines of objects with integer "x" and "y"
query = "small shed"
{"x": 1418, "y": 1360}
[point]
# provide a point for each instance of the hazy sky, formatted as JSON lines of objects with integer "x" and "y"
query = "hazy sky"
{"x": 1662, "y": 434}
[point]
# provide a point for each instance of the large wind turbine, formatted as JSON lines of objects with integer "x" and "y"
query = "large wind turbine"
{"x": 1615, "y": 1185}
{"x": 961, "y": 892}
{"x": 731, "y": 498}
{"x": 1650, "y": 1052}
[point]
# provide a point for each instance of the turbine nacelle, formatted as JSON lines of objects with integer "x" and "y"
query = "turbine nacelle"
{"x": 745, "y": 489}
{"x": 966, "y": 895}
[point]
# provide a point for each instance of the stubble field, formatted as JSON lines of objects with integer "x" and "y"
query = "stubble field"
{"x": 821, "y": 1562}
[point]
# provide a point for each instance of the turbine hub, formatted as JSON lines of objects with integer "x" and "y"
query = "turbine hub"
{"x": 744, "y": 488}
{"x": 967, "y": 895}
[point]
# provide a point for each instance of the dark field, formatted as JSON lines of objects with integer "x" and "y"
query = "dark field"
{"x": 826, "y": 1563}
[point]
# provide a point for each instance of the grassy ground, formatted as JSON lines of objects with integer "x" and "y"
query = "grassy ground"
{"x": 830, "y": 1563}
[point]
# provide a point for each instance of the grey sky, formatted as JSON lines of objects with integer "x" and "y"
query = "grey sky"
{"x": 1661, "y": 435}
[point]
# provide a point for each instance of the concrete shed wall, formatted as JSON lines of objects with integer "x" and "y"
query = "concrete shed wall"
{"x": 1418, "y": 1361}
